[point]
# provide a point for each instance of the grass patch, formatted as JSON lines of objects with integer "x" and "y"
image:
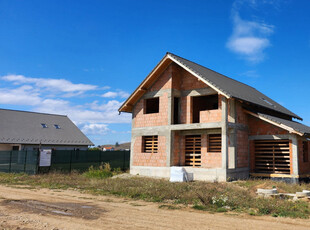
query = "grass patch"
{"x": 104, "y": 171}
{"x": 213, "y": 197}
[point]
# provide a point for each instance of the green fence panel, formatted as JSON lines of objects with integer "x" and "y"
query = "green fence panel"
{"x": 32, "y": 158}
{"x": 18, "y": 161}
{"x": 61, "y": 160}
{"x": 81, "y": 160}
{"x": 5, "y": 161}
{"x": 116, "y": 159}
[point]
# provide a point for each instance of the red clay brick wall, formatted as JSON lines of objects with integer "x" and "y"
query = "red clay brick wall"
{"x": 209, "y": 159}
{"x": 242, "y": 149}
{"x": 304, "y": 167}
{"x": 164, "y": 81}
{"x": 150, "y": 159}
{"x": 205, "y": 116}
{"x": 242, "y": 117}
{"x": 260, "y": 127}
{"x": 152, "y": 119}
{"x": 155, "y": 119}
{"x": 210, "y": 116}
{"x": 189, "y": 82}
{"x": 186, "y": 110}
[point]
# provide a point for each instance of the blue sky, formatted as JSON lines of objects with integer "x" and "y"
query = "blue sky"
{"x": 83, "y": 58}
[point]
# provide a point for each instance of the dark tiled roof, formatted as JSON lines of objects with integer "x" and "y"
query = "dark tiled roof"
{"x": 21, "y": 127}
{"x": 233, "y": 88}
{"x": 298, "y": 127}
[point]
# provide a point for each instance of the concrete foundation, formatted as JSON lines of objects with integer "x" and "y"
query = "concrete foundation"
{"x": 201, "y": 174}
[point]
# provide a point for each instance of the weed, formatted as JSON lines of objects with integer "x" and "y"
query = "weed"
{"x": 102, "y": 172}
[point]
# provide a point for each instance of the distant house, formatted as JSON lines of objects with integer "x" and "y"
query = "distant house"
{"x": 184, "y": 114}
{"x": 21, "y": 130}
{"x": 120, "y": 147}
{"x": 108, "y": 149}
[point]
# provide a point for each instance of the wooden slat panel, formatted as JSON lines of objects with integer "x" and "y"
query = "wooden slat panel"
{"x": 272, "y": 156}
{"x": 193, "y": 150}
{"x": 214, "y": 143}
{"x": 150, "y": 144}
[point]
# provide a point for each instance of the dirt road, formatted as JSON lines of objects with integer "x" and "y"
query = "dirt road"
{"x": 22, "y": 208}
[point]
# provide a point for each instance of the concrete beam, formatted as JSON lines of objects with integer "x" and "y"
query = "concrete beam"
{"x": 211, "y": 125}
{"x": 269, "y": 137}
{"x": 198, "y": 92}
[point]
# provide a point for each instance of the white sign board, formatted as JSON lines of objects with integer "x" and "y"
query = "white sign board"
{"x": 45, "y": 157}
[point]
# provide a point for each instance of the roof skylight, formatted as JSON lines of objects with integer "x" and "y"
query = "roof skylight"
{"x": 44, "y": 125}
{"x": 57, "y": 126}
{"x": 268, "y": 102}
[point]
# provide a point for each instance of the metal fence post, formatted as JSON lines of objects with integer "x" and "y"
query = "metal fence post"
{"x": 10, "y": 161}
{"x": 25, "y": 162}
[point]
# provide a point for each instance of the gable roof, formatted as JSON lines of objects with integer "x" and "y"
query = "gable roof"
{"x": 291, "y": 126}
{"x": 222, "y": 84}
{"x": 21, "y": 127}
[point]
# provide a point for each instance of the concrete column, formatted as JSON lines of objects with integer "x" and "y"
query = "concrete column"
{"x": 169, "y": 147}
{"x": 132, "y": 138}
{"x": 295, "y": 162}
{"x": 131, "y": 150}
{"x": 232, "y": 149}
{"x": 170, "y": 107}
{"x": 224, "y": 127}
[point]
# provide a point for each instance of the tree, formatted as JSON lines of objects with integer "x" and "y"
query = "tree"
{"x": 116, "y": 144}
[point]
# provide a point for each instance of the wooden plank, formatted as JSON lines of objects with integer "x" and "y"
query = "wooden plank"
{"x": 272, "y": 156}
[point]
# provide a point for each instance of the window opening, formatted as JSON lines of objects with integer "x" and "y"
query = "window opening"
{"x": 214, "y": 143}
{"x": 152, "y": 105}
{"x": 202, "y": 103}
{"x": 150, "y": 144}
{"x": 176, "y": 118}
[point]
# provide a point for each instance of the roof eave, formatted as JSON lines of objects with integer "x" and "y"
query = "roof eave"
{"x": 280, "y": 125}
{"x": 141, "y": 89}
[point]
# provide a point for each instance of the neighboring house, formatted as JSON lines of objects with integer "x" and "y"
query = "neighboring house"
{"x": 21, "y": 130}
{"x": 184, "y": 114}
{"x": 119, "y": 147}
{"x": 107, "y": 149}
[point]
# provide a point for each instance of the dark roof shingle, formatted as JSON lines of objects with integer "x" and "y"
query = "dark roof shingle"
{"x": 298, "y": 127}
{"x": 233, "y": 88}
{"x": 21, "y": 127}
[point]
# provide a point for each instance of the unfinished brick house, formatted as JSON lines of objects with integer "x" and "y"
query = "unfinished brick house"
{"x": 217, "y": 128}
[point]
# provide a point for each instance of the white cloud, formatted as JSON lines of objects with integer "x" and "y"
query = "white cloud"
{"x": 250, "y": 74}
{"x": 95, "y": 129}
{"x": 120, "y": 93}
{"x": 24, "y": 95}
{"x": 50, "y": 84}
{"x": 110, "y": 94}
{"x": 52, "y": 96}
{"x": 249, "y": 38}
{"x": 87, "y": 113}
